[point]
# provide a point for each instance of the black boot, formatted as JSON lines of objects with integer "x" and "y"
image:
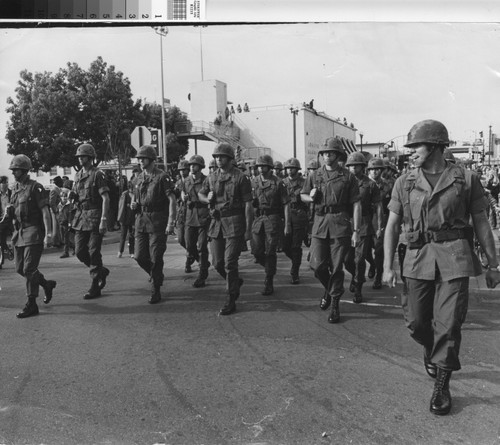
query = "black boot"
{"x": 229, "y": 307}
{"x": 377, "y": 284}
{"x": 358, "y": 297}
{"x": 352, "y": 286}
{"x": 103, "y": 274}
{"x": 187, "y": 267}
{"x": 30, "y": 310}
{"x": 199, "y": 282}
{"x": 326, "y": 300}
{"x": 371, "y": 271}
{"x": 48, "y": 287}
{"x": 94, "y": 291}
{"x": 441, "y": 397}
{"x": 335, "y": 312}
{"x": 430, "y": 368}
{"x": 155, "y": 295}
{"x": 268, "y": 286}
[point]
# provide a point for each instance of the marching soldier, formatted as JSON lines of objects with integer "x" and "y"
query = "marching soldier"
{"x": 229, "y": 194}
{"x": 435, "y": 202}
{"x": 298, "y": 221}
{"x": 278, "y": 169}
{"x": 197, "y": 219}
{"x": 212, "y": 166}
{"x": 183, "y": 168}
{"x": 155, "y": 207}
{"x": 334, "y": 191}
{"x": 90, "y": 195}
{"x": 271, "y": 200}
{"x": 369, "y": 196}
{"x": 29, "y": 212}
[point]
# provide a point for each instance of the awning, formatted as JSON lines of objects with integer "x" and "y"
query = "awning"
{"x": 348, "y": 145}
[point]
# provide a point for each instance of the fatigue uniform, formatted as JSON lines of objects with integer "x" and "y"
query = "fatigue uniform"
{"x": 197, "y": 223}
{"x": 89, "y": 186}
{"x": 28, "y": 199}
{"x": 270, "y": 196}
{"x": 438, "y": 261}
{"x": 232, "y": 190}
{"x": 385, "y": 188}
{"x": 180, "y": 222}
{"x": 299, "y": 220}
{"x": 331, "y": 232}
{"x": 355, "y": 262}
{"x": 151, "y": 194}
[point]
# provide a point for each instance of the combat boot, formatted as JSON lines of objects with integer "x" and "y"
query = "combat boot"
{"x": 335, "y": 311}
{"x": 326, "y": 300}
{"x": 155, "y": 295}
{"x": 377, "y": 284}
{"x": 103, "y": 274}
{"x": 358, "y": 297}
{"x": 371, "y": 271}
{"x": 268, "y": 286}
{"x": 30, "y": 310}
{"x": 48, "y": 286}
{"x": 441, "y": 397}
{"x": 199, "y": 282}
{"x": 187, "y": 267}
{"x": 94, "y": 291}
{"x": 352, "y": 286}
{"x": 230, "y": 306}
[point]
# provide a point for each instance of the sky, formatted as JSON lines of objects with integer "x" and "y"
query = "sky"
{"x": 383, "y": 77}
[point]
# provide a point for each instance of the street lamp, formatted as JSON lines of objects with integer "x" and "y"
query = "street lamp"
{"x": 294, "y": 111}
{"x": 361, "y": 137}
{"x": 162, "y": 31}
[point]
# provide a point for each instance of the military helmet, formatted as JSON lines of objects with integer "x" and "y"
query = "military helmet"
{"x": 223, "y": 149}
{"x": 333, "y": 144}
{"x": 265, "y": 160}
{"x": 374, "y": 163}
{"x": 292, "y": 163}
{"x": 86, "y": 150}
{"x": 448, "y": 155}
{"x": 183, "y": 165}
{"x": 355, "y": 158}
{"x": 313, "y": 165}
{"x": 20, "y": 161}
{"x": 278, "y": 165}
{"x": 197, "y": 159}
{"x": 428, "y": 132}
{"x": 146, "y": 151}
{"x": 213, "y": 164}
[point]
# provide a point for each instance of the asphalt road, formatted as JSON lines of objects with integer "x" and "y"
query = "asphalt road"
{"x": 117, "y": 370}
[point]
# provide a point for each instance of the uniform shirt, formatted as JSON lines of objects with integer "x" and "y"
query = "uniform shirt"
{"x": 385, "y": 197}
{"x": 338, "y": 188}
{"x": 89, "y": 186}
{"x": 298, "y": 209}
{"x": 197, "y": 214}
{"x": 232, "y": 190}
{"x": 28, "y": 198}
{"x": 271, "y": 195}
{"x": 4, "y": 201}
{"x": 152, "y": 192}
{"x": 181, "y": 205}
{"x": 457, "y": 195}
{"x": 369, "y": 195}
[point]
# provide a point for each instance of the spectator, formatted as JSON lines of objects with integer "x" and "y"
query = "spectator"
{"x": 5, "y": 226}
{"x": 126, "y": 218}
{"x": 54, "y": 200}
{"x": 246, "y": 108}
{"x": 64, "y": 217}
{"x": 238, "y": 108}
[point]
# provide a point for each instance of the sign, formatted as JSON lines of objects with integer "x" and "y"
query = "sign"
{"x": 140, "y": 136}
{"x": 156, "y": 140}
{"x": 166, "y": 103}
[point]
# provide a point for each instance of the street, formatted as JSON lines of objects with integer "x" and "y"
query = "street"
{"x": 116, "y": 370}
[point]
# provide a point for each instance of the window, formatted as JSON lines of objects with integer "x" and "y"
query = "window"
{"x": 53, "y": 171}
{"x": 66, "y": 171}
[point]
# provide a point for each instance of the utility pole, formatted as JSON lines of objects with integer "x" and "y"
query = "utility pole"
{"x": 294, "y": 111}
{"x": 489, "y": 148}
{"x": 162, "y": 31}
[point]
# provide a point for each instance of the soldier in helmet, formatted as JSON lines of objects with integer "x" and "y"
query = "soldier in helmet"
{"x": 29, "y": 212}
{"x": 370, "y": 196}
{"x": 298, "y": 221}
{"x": 278, "y": 169}
{"x": 229, "y": 194}
{"x": 91, "y": 198}
{"x": 212, "y": 166}
{"x": 435, "y": 202}
{"x": 334, "y": 191}
{"x": 197, "y": 218}
{"x": 375, "y": 168}
{"x": 271, "y": 201}
{"x": 155, "y": 207}
{"x": 312, "y": 166}
{"x": 183, "y": 168}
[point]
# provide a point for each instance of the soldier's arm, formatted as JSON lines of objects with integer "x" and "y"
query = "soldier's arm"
{"x": 47, "y": 223}
{"x": 172, "y": 209}
{"x": 202, "y": 194}
{"x": 380, "y": 216}
{"x": 484, "y": 235}
{"x": 391, "y": 240}
{"x": 104, "y": 212}
{"x": 249, "y": 218}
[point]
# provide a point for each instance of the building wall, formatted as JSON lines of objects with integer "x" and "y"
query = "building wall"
{"x": 207, "y": 98}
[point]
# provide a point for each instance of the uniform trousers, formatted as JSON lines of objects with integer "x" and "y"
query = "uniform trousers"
{"x": 27, "y": 259}
{"x": 355, "y": 262}
{"x": 149, "y": 250}
{"x": 197, "y": 247}
{"x": 88, "y": 250}
{"x": 292, "y": 245}
{"x": 264, "y": 246}
{"x": 327, "y": 260}
{"x": 434, "y": 312}
{"x": 225, "y": 255}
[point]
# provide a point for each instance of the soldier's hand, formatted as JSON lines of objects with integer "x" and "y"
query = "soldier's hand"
{"x": 133, "y": 205}
{"x": 492, "y": 278}
{"x": 355, "y": 239}
{"x": 379, "y": 233}
{"x": 170, "y": 229}
{"x": 390, "y": 278}
{"x": 103, "y": 227}
{"x": 47, "y": 241}
{"x": 210, "y": 196}
{"x": 288, "y": 230}
{"x": 313, "y": 193}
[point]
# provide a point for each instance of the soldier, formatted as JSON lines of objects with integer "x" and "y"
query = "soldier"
{"x": 197, "y": 218}
{"x": 334, "y": 191}
{"x": 155, "y": 206}
{"x": 435, "y": 203}
{"x": 183, "y": 168}
{"x": 212, "y": 166}
{"x": 29, "y": 212}
{"x": 298, "y": 221}
{"x": 91, "y": 198}
{"x": 312, "y": 166}
{"x": 229, "y": 193}
{"x": 375, "y": 168}
{"x": 271, "y": 201}
{"x": 278, "y": 169}
{"x": 369, "y": 197}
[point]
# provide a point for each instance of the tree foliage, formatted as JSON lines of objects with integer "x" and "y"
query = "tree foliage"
{"x": 52, "y": 114}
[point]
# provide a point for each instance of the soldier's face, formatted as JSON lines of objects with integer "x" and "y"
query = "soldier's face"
{"x": 263, "y": 169}
{"x": 195, "y": 168}
{"x": 376, "y": 172}
{"x": 184, "y": 172}
{"x": 329, "y": 157}
{"x": 222, "y": 161}
{"x": 18, "y": 173}
{"x": 419, "y": 154}
{"x": 292, "y": 171}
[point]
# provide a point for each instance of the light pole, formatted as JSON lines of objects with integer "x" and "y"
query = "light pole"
{"x": 361, "y": 137}
{"x": 294, "y": 111}
{"x": 162, "y": 31}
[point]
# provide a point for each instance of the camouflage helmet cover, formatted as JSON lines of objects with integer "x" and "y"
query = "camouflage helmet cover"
{"x": 197, "y": 159}
{"x": 278, "y": 165}
{"x": 375, "y": 163}
{"x": 146, "y": 151}
{"x": 213, "y": 164}
{"x": 183, "y": 165}
{"x": 333, "y": 144}
{"x": 292, "y": 163}
{"x": 223, "y": 149}
{"x": 428, "y": 132}
{"x": 313, "y": 164}
{"x": 20, "y": 161}
{"x": 265, "y": 160}
{"x": 86, "y": 150}
{"x": 356, "y": 158}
